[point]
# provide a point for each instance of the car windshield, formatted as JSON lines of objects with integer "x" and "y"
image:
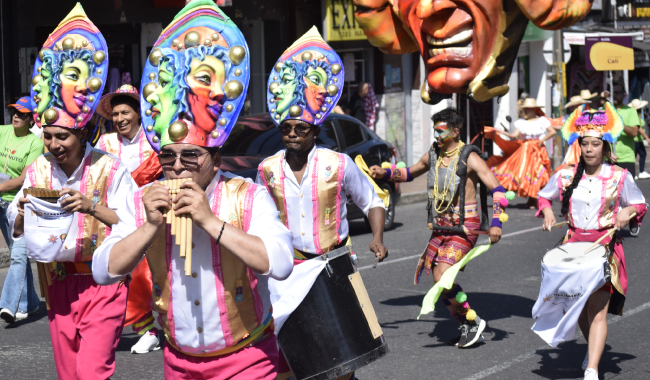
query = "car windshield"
{"x": 253, "y": 138}
{"x": 258, "y": 136}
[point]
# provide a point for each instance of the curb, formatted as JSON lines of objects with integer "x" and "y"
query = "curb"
{"x": 408, "y": 198}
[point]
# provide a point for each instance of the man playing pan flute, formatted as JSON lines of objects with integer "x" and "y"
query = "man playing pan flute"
{"x": 85, "y": 319}
{"x": 310, "y": 184}
{"x": 128, "y": 143}
{"x": 214, "y": 303}
{"x": 596, "y": 197}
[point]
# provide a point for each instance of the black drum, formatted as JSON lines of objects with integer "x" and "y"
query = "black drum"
{"x": 334, "y": 331}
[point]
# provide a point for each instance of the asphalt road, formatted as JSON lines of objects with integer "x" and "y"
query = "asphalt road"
{"x": 502, "y": 286}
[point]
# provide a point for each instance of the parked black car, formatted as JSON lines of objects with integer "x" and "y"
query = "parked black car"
{"x": 255, "y": 137}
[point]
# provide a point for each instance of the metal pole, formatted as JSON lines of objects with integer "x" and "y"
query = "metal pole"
{"x": 558, "y": 57}
{"x": 2, "y": 51}
{"x": 611, "y": 88}
{"x": 407, "y": 83}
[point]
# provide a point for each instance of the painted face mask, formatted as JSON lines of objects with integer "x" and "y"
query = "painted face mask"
{"x": 306, "y": 82}
{"x": 195, "y": 80}
{"x": 468, "y": 46}
{"x": 442, "y": 133}
{"x": 69, "y": 73}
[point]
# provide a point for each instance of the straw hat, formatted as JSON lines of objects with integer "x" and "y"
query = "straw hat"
{"x": 530, "y": 103}
{"x": 587, "y": 95}
{"x": 638, "y": 104}
{"x": 104, "y": 108}
{"x": 576, "y": 101}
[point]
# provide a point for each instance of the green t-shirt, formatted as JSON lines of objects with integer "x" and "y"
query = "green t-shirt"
{"x": 26, "y": 148}
{"x": 625, "y": 143}
{"x": 639, "y": 137}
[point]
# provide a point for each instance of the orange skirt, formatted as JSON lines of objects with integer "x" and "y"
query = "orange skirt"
{"x": 526, "y": 171}
{"x": 140, "y": 300}
{"x": 572, "y": 156}
{"x": 509, "y": 147}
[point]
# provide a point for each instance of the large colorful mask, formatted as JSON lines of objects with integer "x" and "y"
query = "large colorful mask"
{"x": 69, "y": 73}
{"x": 195, "y": 80}
{"x": 468, "y": 46}
{"x": 306, "y": 82}
{"x": 604, "y": 124}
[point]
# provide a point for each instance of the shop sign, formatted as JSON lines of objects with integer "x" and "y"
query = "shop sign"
{"x": 341, "y": 23}
{"x": 609, "y": 53}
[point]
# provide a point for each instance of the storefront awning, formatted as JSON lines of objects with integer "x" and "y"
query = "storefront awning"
{"x": 578, "y": 38}
{"x": 533, "y": 33}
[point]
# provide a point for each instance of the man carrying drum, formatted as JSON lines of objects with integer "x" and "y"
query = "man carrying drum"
{"x": 447, "y": 192}
{"x": 597, "y": 199}
{"x": 310, "y": 184}
{"x": 216, "y": 315}
{"x": 129, "y": 143}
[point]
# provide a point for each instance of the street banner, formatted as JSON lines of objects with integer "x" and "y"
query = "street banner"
{"x": 609, "y": 53}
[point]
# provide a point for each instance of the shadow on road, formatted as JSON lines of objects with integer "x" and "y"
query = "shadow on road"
{"x": 359, "y": 227}
{"x": 564, "y": 361}
{"x": 40, "y": 314}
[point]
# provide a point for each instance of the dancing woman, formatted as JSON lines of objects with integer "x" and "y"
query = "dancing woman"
{"x": 528, "y": 169}
{"x": 595, "y": 196}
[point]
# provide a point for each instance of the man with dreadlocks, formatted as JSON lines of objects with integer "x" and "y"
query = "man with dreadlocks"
{"x": 595, "y": 196}
{"x": 453, "y": 171}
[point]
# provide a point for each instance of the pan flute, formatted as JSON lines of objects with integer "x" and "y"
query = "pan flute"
{"x": 48, "y": 195}
{"x": 181, "y": 225}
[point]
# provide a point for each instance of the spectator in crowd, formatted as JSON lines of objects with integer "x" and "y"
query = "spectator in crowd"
{"x": 639, "y": 148}
{"x": 625, "y": 156}
{"x": 356, "y": 104}
{"x": 19, "y": 147}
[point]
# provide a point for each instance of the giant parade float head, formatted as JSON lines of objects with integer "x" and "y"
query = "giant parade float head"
{"x": 468, "y": 46}
{"x": 69, "y": 73}
{"x": 195, "y": 79}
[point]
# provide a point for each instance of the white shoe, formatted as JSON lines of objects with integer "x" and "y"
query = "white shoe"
{"x": 148, "y": 342}
{"x": 585, "y": 362}
{"x": 591, "y": 374}
{"x": 7, "y": 315}
{"x": 643, "y": 175}
{"x": 20, "y": 315}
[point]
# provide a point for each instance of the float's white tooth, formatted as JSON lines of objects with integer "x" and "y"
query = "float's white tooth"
{"x": 459, "y": 37}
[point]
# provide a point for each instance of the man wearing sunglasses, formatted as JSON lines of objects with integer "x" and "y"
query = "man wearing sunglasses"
{"x": 214, "y": 307}
{"x": 18, "y": 149}
{"x": 311, "y": 184}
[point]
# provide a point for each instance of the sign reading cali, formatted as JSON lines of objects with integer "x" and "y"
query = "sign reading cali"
{"x": 609, "y": 53}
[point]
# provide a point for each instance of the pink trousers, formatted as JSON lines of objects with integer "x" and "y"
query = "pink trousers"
{"x": 255, "y": 363}
{"x": 86, "y": 322}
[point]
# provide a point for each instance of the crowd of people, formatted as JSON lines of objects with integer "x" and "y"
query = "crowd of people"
{"x": 129, "y": 211}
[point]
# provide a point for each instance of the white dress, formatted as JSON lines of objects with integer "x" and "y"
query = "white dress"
{"x": 533, "y": 129}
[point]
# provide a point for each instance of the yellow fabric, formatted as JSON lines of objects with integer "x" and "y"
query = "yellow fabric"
{"x": 228, "y": 350}
{"x": 383, "y": 194}
{"x": 328, "y": 204}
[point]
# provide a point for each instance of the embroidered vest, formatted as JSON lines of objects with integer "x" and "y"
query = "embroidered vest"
{"x": 98, "y": 171}
{"x": 327, "y": 173}
{"x": 112, "y": 143}
{"x": 610, "y": 194}
{"x": 240, "y": 304}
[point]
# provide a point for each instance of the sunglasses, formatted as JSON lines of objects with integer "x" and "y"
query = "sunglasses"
{"x": 23, "y": 115}
{"x": 300, "y": 130}
{"x": 188, "y": 159}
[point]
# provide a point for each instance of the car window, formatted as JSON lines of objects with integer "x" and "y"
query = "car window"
{"x": 327, "y": 136}
{"x": 352, "y": 133}
{"x": 253, "y": 138}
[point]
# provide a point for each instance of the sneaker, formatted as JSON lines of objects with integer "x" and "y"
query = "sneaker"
{"x": 474, "y": 333}
{"x": 634, "y": 228}
{"x": 585, "y": 362}
{"x": 20, "y": 315}
{"x": 643, "y": 175}
{"x": 462, "y": 338}
{"x": 7, "y": 315}
{"x": 591, "y": 374}
{"x": 454, "y": 342}
{"x": 148, "y": 342}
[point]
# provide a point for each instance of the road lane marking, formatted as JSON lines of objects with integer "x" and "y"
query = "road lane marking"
{"x": 505, "y": 365}
{"x": 420, "y": 255}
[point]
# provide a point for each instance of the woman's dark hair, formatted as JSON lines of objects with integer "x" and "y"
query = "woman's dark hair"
{"x": 580, "y": 170}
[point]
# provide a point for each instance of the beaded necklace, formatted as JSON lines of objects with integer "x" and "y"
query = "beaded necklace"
{"x": 441, "y": 196}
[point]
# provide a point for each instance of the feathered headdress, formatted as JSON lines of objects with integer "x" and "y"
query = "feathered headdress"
{"x": 69, "y": 73}
{"x": 306, "y": 82}
{"x": 605, "y": 124}
{"x": 195, "y": 80}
